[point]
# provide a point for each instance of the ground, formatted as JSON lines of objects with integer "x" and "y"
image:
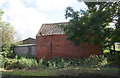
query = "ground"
{"x": 62, "y": 72}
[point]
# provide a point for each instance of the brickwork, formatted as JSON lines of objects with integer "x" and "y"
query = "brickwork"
{"x": 57, "y": 45}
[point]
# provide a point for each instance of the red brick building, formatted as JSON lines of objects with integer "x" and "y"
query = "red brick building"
{"x": 51, "y": 42}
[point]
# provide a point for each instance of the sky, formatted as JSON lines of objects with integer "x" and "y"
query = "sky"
{"x": 27, "y": 16}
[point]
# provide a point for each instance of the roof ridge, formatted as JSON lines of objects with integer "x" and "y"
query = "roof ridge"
{"x": 54, "y": 23}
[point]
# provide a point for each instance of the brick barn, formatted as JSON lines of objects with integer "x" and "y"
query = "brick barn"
{"x": 51, "y": 42}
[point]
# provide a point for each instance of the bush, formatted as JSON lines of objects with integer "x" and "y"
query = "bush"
{"x": 8, "y": 54}
{"x": 2, "y": 62}
{"x": 113, "y": 59}
{"x": 56, "y": 62}
{"x": 19, "y": 63}
{"x": 28, "y": 62}
{"x": 59, "y": 62}
{"x": 11, "y": 63}
{"x": 94, "y": 60}
{"x": 43, "y": 63}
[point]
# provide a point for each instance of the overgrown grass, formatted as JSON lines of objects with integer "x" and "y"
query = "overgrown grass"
{"x": 64, "y": 72}
{"x": 92, "y": 61}
{"x": 58, "y": 62}
{"x": 23, "y": 62}
{"x": 25, "y": 72}
{"x": 95, "y": 64}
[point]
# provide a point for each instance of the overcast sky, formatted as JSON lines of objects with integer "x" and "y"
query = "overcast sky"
{"x": 27, "y": 16}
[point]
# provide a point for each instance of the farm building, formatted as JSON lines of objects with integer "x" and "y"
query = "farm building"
{"x": 29, "y": 41}
{"x": 27, "y": 49}
{"x": 51, "y": 41}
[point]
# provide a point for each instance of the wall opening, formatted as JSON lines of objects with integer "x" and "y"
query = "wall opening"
{"x": 57, "y": 45}
{"x": 51, "y": 48}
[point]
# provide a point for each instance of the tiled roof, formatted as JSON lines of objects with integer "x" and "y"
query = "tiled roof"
{"x": 29, "y": 39}
{"x": 51, "y": 29}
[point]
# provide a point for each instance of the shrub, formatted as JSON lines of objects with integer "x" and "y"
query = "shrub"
{"x": 113, "y": 59}
{"x": 11, "y": 63}
{"x": 56, "y": 62}
{"x": 2, "y": 62}
{"x": 94, "y": 60}
{"x": 8, "y": 54}
{"x": 20, "y": 63}
{"x": 59, "y": 62}
{"x": 27, "y": 62}
{"x": 4, "y": 54}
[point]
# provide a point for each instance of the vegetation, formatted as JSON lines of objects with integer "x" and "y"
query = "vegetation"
{"x": 6, "y": 34}
{"x": 90, "y": 26}
{"x": 110, "y": 60}
{"x": 84, "y": 71}
{"x": 22, "y": 62}
{"x": 8, "y": 38}
{"x": 94, "y": 65}
{"x": 93, "y": 26}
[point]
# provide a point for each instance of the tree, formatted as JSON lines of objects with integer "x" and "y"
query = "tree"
{"x": 6, "y": 34}
{"x": 93, "y": 26}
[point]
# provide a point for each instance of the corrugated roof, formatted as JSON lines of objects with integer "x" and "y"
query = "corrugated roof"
{"x": 51, "y": 29}
{"x": 26, "y": 45}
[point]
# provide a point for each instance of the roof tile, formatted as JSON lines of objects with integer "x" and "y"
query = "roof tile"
{"x": 51, "y": 29}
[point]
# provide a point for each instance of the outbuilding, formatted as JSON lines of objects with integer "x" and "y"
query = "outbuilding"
{"x": 25, "y": 50}
{"x": 51, "y": 41}
{"x": 28, "y": 48}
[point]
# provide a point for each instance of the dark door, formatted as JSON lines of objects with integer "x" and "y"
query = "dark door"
{"x": 50, "y": 47}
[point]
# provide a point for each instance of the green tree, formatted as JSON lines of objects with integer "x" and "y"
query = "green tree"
{"x": 93, "y": 26}
{"x": 6, "y": 34}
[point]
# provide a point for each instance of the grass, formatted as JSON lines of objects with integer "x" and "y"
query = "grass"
{"x": 25, "y": 72}
{"x": 93, "y": 65}
{"x": 75, "y": 71}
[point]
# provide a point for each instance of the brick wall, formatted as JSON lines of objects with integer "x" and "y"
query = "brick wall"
{"x": 58, "y": 45}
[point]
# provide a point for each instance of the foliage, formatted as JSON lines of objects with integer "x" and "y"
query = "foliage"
{"x": 6, "y": 34}
{"x": 2, "y": 62}
{"x": 113, "y": 59}
{"x": 12, "y": 63}
{"x": 93, "y": 25}
{"x": 58, "y": 62}
{"x": 21, "y": 62}
{"x": 7, "y": 42}
{"x": 43, "y": 63}
{"x": 28, "y": 62}
{"x": 8, "y": 54}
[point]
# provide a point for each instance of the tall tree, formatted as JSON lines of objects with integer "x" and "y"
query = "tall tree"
{"x": 6, "y": 34}
{"x": 93, "y": 26}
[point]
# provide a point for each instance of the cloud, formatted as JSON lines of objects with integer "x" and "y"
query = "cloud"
{"x": 26, "y": 20}
{"x": 26, "y": 16}
{"x": 47, "y": 5}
